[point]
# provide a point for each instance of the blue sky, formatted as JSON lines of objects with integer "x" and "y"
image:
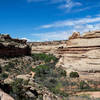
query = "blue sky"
{"x": 45, "y": 20}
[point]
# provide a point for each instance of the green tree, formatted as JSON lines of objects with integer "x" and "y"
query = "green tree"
{"x": 4, "y": 75}
{"x": 84, "y": 85}
{"x": 74, "y": 75}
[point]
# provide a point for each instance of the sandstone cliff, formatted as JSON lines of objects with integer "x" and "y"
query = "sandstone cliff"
{"x": 82, "y": 53}
{"x": 5, "y": 96}
{"x": 47, "y": 47}
{"x": 13, "y": 47}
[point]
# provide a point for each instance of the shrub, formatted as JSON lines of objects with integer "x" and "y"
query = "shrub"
{"x": 61, "y": 72}
{"x": 4, "y": 75}
{"x": 17, "y": 86}
{"x": 9, "y": 66}
{"x": 45, "y": 57}
{"x": 18, "y": 91}
{"x": 48, "y": 75}
{"x": 6, "y": 68}
{"x": 50, "y": 83}
{"x": 74, "y": 75}
{"x": 41, "y": 70}
{"x": 84, "y": 85}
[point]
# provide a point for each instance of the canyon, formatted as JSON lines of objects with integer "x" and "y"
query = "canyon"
{"x": 79, "y": 53}
{"x": 49, "y": 47}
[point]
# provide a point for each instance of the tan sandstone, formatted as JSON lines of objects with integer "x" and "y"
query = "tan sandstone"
{"x": 4, "y": 96}
{"x": 82, "y": 53}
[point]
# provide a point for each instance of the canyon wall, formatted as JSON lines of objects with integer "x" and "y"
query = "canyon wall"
{"x": 47, "y": 47}
{"x": 13, "y": 47}
{"x": 82, "y": 53}
{"x": 79, "y": 53}
{"x": 5, "y": 96}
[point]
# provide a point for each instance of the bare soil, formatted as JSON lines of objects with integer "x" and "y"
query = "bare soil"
{"x": 91, "y": 94}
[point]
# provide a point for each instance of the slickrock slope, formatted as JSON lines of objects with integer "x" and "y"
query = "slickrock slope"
{"x": 47, "y": 47}
{"x": 13, "y": 47}
{"x": 82, "y": 53}
{"x": 4, "y": 96}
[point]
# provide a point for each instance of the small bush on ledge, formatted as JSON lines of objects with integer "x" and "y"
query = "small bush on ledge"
{"x": 74, "y": 75}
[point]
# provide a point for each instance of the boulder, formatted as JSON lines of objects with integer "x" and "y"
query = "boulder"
{"x": 5, "y": 96}
{"x": 75, "y": 35}
{"x": 8, "y": 81}
{"x": 24, "y": 77}
{"x": 30, "y": 94}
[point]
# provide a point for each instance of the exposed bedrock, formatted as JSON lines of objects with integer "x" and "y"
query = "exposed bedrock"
{"x": 82, "y": 53}
{"x": 47, "y": 47}
{"x": 13, "y": 47}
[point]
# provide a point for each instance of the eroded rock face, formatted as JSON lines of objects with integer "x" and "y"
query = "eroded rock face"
{"x": 24, "y": 77}
{"x": 13, "y": 47}
{"x": 75, "y": 35}
{"x": 4, "y": 96}
{"x": 47, "y": 47}
{"x": 82, "y": 53}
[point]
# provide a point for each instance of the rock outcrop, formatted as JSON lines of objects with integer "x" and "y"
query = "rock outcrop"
{"x": 79, "y": 53}
{"x": 13, "y": 47}
{"x": 82, "y": 53}
{"x": 75, "y": 35}
{"x": 47, "y": 47}
{"x": 5, "y": 96}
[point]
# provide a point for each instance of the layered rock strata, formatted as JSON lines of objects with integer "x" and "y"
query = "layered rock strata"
{"x": 47, "y": 47}
{"x": 82, "y": 53}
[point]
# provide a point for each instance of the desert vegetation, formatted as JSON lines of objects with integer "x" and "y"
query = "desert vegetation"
{"x": 47, "y": 75}
{"x": 56, "y": 79}
{"x": 74, "y": 75}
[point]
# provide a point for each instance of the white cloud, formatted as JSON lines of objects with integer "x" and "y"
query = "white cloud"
{"x": 35, "y": 0}
{"x": 69, "y": 4}
{"x": 58, "y": 35}
{"x": 71, "y": 23}
{"x": 63, "y": 35}
{"x": 46, "y": 26}
{"x": 90, "y": 26}
{"x": 63, "y": 4}
{"x": 81, "y": 9}
{"x": 87, "y": 27}
{"x": 50, "y": 36}
{"x": 69, "y": 26}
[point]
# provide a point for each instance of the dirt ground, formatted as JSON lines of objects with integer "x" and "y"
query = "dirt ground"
{"x": 91, "y": 94}
{"x": 90, "y": 76}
